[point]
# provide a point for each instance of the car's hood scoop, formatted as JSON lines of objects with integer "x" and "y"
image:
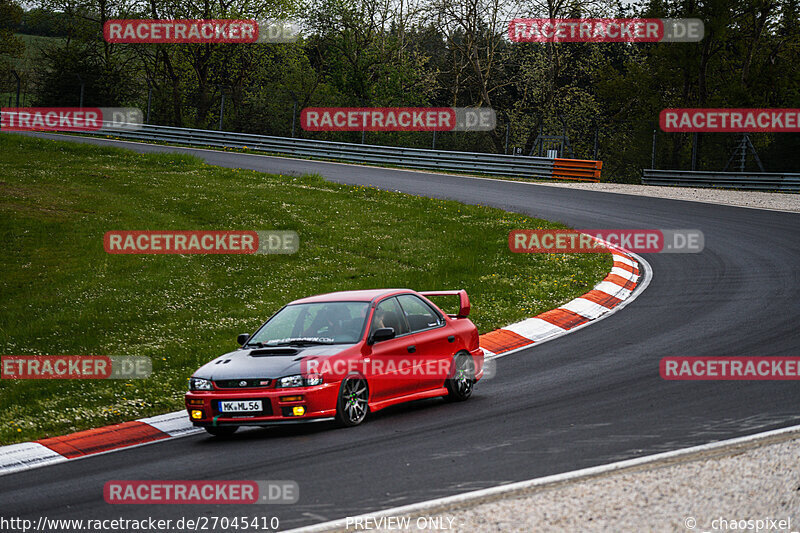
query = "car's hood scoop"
{"x": 273, "y": 351}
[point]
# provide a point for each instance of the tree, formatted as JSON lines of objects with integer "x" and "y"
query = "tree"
{"x": 11, "y": 47}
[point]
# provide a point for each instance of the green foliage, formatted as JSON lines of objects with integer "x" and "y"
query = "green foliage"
{"x": 44, "y": 22}
{"x": 444, "y": 53}
{"x": 64, "y": 66}
{"x": 11, "y": 46}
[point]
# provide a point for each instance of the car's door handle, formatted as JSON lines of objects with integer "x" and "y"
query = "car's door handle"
{"x": 451, "y": 338}
{"x": 412, "y": 349}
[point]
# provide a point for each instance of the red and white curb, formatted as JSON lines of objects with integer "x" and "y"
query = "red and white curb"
{"x": 16, "y": 457}
{"x": 628, "y": 277}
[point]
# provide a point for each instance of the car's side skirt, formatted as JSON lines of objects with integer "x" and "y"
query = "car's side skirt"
{"x": 433, "y": 393}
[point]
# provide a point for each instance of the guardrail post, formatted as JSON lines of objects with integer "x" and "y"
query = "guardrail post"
{"x": 694, "y": 151}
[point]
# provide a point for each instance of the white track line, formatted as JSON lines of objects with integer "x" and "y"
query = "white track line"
{"x": 470, "y": 497}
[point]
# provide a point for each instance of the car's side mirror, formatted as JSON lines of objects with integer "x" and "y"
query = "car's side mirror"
{"x": 242, "y": 338}
{"x": 382, "y": 334}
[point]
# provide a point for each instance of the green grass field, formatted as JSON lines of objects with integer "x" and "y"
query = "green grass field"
{"x": 60, "y": 293}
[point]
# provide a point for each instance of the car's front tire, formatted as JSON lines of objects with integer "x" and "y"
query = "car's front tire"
{"x": 352, "y": 406}
{"x": 461, "y": 383}
{"x": 222, "y": 431}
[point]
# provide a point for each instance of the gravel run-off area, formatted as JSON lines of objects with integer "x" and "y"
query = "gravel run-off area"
{"x": 726, "y": 489}
{"x": 755, "y": 199}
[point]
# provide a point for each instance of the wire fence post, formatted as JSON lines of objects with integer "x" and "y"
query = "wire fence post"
{"x": 222, "y": 104}
{"x": 80, "y": 80}
{"x": 653, "y": 155}
{"x": 294, "y": 116}
{"x": 14, "y": 73}
{"x": 149, "y": 99}
{"x": 221, "y": 110}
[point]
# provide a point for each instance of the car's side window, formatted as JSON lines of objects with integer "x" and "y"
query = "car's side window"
{"x": 389, "y": 315}
{"x": 418, "y": 314}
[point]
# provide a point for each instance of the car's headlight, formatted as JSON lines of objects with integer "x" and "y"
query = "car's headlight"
{"x": 313, "y": 379}
{"x": 291, "y": 381}
{"x": 300, "y": 381}
{"x": 200, "y": 384}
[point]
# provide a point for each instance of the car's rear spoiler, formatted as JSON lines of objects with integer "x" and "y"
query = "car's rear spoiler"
{"x": 463, "y": 300}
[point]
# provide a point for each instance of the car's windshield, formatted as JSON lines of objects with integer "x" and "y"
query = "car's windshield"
{"x": 314, "y": 323}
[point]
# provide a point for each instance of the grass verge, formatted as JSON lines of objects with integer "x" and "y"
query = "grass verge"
{"x": 60, "y": 293}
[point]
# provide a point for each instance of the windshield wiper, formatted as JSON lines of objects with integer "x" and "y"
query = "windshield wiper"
{"x": 258, "y": 344}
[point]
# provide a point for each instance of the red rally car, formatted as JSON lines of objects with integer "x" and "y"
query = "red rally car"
{"x": 339, "y": 356}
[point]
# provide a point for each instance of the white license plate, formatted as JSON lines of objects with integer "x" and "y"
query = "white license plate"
{"x": 245, "y": 406}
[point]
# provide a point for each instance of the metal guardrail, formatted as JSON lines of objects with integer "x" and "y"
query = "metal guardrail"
{"x": 755, "y": 181}
{"x": 491, "y": 164}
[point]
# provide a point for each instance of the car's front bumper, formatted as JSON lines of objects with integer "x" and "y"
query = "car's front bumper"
{"x": 318, "y": 402}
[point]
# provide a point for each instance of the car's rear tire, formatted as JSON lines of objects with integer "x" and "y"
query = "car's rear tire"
{"x": 461, "y": 383}
{"x": 222, "y": 431}
{"x": 352, "y": 406}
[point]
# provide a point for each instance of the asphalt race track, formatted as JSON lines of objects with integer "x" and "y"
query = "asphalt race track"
{"x": 591, "y": 397}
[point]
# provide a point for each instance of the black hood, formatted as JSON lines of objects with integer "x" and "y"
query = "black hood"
{"x": 268, "y": 362}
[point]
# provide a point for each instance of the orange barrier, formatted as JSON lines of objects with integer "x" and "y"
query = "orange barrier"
{"x": 577, "y": 169}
